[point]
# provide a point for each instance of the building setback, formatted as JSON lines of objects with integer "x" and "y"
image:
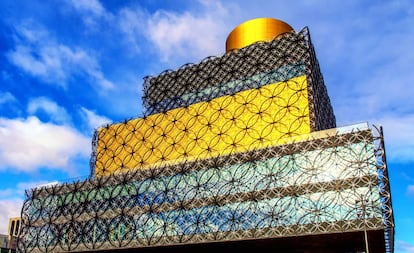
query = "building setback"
{"x": 239, "y": 151}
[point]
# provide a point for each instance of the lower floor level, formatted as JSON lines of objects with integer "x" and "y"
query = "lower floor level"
{"x": 350, "y": 242}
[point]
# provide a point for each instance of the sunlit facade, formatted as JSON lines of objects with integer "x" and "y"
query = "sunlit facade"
{"x": 237, "y": 149}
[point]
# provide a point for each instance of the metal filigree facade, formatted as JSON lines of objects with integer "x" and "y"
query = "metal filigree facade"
{"x": 301, "y": 188}
{"x": 237, "y": 147}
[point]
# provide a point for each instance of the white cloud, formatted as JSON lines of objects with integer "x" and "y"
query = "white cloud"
{"x": 37, "y": 53}
{"x": 187, "y": 35}
{"x": 93, "y": 7}
{"x": 56, "y": 113}
{"x": 403, "y": 247}
{"x": 131, "y": 22}
{"x": 6, "y": 97}
{"x": 45, "y": 66}
{"x": 91, "y": 11}
{"x": 9, "y": 208}
{"x": 29, "y": 144}
{"x": 410, "y": 190}
{"x": 5, "y": 193}
{"x": 398, "y": 136}
{"x": 93, "y": 120}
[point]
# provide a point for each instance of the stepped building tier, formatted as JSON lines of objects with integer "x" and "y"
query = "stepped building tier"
{"x": 287, "y": 56}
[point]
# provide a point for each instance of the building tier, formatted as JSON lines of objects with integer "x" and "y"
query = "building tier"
{"x": 272, "y": 93}
{"x": 330, "y": 182}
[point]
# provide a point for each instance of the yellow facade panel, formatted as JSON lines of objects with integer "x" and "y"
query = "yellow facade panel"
{"x": 250, "y": 119}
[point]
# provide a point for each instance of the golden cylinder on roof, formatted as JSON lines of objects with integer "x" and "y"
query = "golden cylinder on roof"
{"x": 254, "y": 30}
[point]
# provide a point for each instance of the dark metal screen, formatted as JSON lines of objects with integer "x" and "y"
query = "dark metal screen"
{"x": 287, "y": 56}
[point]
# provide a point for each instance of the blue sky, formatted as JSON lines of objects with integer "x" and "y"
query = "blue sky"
{"x": 68, "y": 67}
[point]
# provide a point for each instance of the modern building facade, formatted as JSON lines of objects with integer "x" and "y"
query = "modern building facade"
{"x": 239, "y": 151}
